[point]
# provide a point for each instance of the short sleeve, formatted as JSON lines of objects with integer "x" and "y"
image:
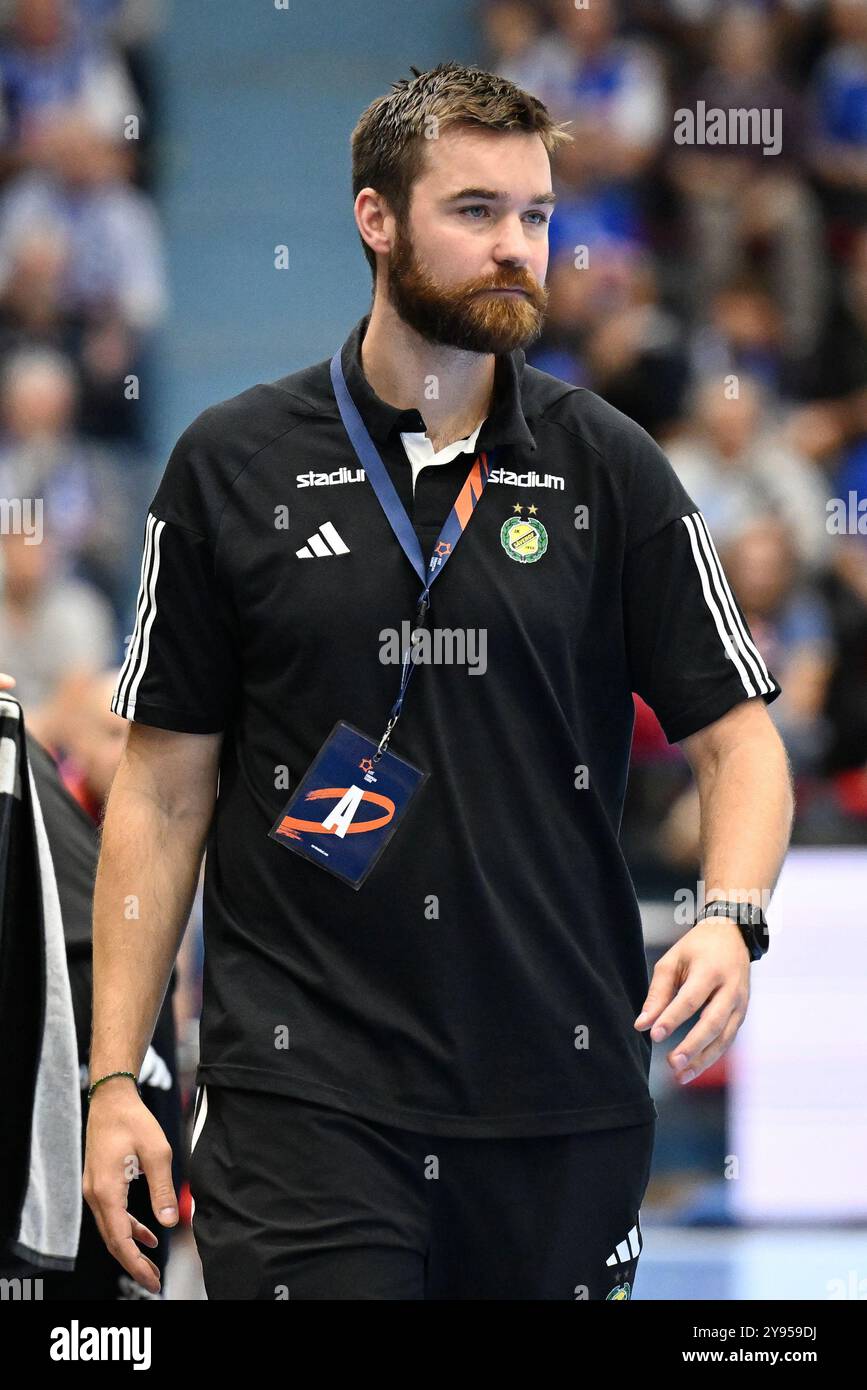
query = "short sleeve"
{"x": 180, "y": 670}
{"x": 690, "y": 651}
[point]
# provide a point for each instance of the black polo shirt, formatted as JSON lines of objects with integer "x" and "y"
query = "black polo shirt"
{"x": 485, "y": 978}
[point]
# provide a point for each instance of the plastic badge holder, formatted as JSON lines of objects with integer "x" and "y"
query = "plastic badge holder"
{"x": 347, "y": 807}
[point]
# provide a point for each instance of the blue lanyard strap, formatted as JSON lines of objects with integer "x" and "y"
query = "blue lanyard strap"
{"x": 407, "y": 669}
{"x": 453, "y": 528}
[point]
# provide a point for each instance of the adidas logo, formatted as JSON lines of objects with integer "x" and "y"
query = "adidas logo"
{"x": 316, "y": 545}
{"x": 628, "y": 1249}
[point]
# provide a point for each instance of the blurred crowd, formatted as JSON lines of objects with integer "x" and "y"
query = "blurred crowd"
{"x": 82, "y": 293}
{"x": 717, "y": 294}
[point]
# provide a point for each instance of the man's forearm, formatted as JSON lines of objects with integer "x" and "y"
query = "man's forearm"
{"x": 145, "y": 884}
{"x": 747, "y": 806}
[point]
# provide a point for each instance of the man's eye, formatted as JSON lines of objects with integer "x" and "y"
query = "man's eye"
{"x": 480, "y": 207}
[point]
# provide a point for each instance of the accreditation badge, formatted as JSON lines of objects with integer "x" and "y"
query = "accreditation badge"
{"x": 347, "y": 805}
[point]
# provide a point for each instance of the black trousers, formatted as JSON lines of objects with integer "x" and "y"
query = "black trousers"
{"x": 296, "y": 1200}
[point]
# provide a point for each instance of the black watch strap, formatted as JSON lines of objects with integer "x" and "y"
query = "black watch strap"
{"x": 750, "y": 920}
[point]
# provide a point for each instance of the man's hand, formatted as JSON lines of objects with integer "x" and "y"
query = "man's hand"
{"x": 707, "y": 969}
{"x": 123, "y": 1140}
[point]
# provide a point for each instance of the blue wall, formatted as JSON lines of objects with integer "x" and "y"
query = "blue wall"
{"x": 257, "y": 108}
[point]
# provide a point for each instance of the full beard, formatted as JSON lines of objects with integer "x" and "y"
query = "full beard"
{"x": 462, "y": 316}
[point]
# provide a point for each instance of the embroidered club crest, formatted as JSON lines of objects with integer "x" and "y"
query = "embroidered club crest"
{"x": 524, "y": 538}
{"x": 618, "y": 1293}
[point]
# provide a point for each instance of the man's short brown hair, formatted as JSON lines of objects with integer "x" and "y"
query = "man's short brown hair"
{"x": 389, "y": 140}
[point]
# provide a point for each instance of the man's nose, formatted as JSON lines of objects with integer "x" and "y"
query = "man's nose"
{"x": 511, "y": 244}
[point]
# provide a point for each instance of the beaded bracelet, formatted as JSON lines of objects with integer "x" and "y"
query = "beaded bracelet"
{"x": 108, "y": 1078}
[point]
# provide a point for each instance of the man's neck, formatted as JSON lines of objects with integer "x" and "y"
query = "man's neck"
{"x": 399, "y": 365}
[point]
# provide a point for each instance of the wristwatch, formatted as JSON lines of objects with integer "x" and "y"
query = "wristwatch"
{"x": 750, "y": 919}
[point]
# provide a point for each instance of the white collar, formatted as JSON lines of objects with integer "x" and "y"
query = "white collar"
{"x": 420, "y": 451}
